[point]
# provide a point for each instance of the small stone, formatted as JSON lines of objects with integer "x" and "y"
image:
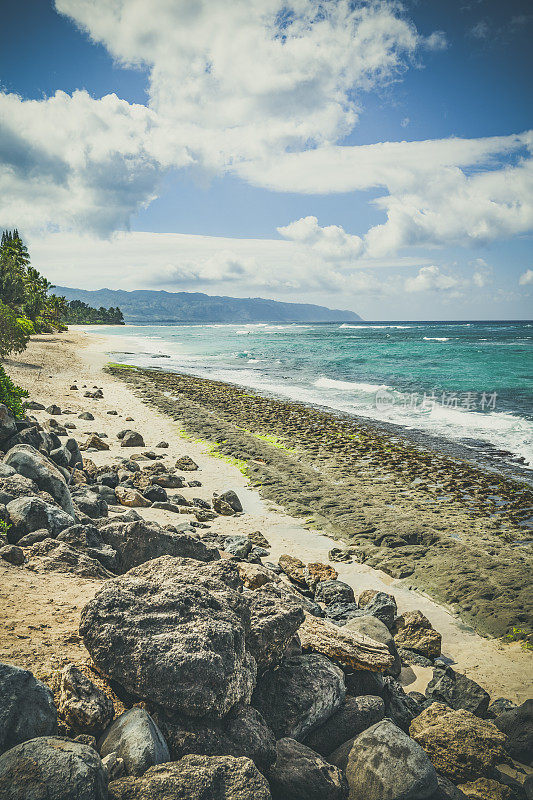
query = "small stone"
{"x": 95, "y": 442}
{"x": 316, "y": 572}
{"x": 334, "y": 591}
{"x": 186, "y": 464}
{"x": 86, "y": 415}
{"x": 162, "y": 445}
{"x": 113, "y": 766}
{"x": 293, "y": 568}
{"x": 132, "y": 439}
{"x": 131, "y": 498}
{"x": 82, "y": 705}
{"x": 53, "y": 409}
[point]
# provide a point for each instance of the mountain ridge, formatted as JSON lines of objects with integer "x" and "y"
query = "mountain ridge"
{"x": 149, "y": 305}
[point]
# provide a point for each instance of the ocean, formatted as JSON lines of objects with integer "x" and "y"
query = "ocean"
{"x": 467, "y": 382}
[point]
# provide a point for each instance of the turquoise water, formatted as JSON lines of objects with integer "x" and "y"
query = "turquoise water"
{"x": 460, "y": 380}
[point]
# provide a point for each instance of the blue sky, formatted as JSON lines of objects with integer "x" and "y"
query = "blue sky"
{"x": 261, "y": 173}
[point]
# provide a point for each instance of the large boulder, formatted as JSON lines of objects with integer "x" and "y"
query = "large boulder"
{"x": 301, "y": 773}
{"x": 243, "y": 732}
{"x": 375, "y": 629}
{"x": 293, "y": 569}
{"x": 82, "y": 705}
{"x": 517, "y": 724}
{"x": 346, "y": 648}
{"x": 415, "y": 632}
{"x": 28, "y": 514}
{"x": 273, "y": 624}
{"x": 173, "y": 631}
{"x": 383, "y": 762}
{"x": 402, "y": 708}
{"x": 27, "y": 461}
{"x": 194, "y": 777}
{"x": 52, "y": 767}
{"x": 460, "y": 745}
{"x": 300, "y": 695}
{"x": 230, "y": 497}
{"x": 27, "y": 707}
{"x": 132, "y": 439}
{"x": 457, "y": 691}
{"x": 355, "y": 715}
{"x": 141, "y": 541}
{"x": 135, "y": 738}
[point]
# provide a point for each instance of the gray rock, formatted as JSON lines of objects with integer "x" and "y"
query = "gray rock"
{"x": 34, "y": 406}
{"x": 28, "y": 514}
{"x": 355, "y": 715}
{"x": 5, "y": 471}
{"x": 273, "y": 624}
{"x": 381, "y": 605}
{"x": 447, "y": 791}
{"x": 27, "y": 709}
{"x": 35, "y": 536}
{"x": 7, "y": 423}
{"x": 132, "y": 439}
{"x": 53, "y": 409}
{"x": 82, "y": 705}
{"x": 195, "y": 777}
{"x": 87, "y": 538}
{"x": 29, "y": 462}
{"x": 86, "y": 415}
{"x": 168, "y": 481}
{"x": 384, "y": 762}
{"x": 76, "y": 458}
{"x": 375, "y": 629}
{"x": 517, "y": 724}
{"x": 173, "y": 631}
{"x": 238, "y": 546}
{"x": 334, "y": 592}
{"x": 52, "y": 768}
{"x": 340, "y": 613}
{"x": 243, "y": 732}
{"x": 399, "y": 706}
{"x": 300, "y": 695}
{"x": 409, "y": 657}
{"x": 457, "y": 691}
{"x": 139, "y": 541}
{"x": 90, "y": 503}
{"x": 60, "y": 456}
{"x": 53, "y": 556}
{"x": 108, "y": 479}
{"x": 155, "y": 494}
{"x": 230, "y": 497}
{"x": 301, "y": 773}
{"x": 135, "y": 738}
{"x": 12, "y": 554}
{"x": 114, "y": 767}
{"x": 528, "y": 787}
{"x": 498, "y": 706}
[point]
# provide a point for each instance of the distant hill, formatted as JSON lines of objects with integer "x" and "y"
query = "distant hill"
{"x": 144, "y": 305}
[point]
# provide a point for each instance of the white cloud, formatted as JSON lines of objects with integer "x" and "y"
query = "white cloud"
{"x": 331, "y": 242}
{"x": 430, "y": 279}
{"x": 526, "y": 279}
{"x": 75, "y": 162}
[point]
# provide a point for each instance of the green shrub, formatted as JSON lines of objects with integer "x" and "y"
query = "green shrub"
{"x": 11, "y": 395}
{"x": 14, "y": 333}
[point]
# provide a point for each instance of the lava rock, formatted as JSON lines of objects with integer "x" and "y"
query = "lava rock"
{"x": 375, "y": 629}
{"x": 238, "y": 546}
{"x": 355, "y": 715}
{"x": 457, "y": 691}
{"x": 12, "y": 554}
{"x": 132, "y": 439}
{"x": 380, "y": 605}
{"x": 173, "y": 631}
{"x": 52, "y": 767}
{"x": 301, "y": 773}
{"x": 194, "y": 777}
{"x": 82, "y": 705}
{"x": 415, "y": 632}
{"x": 155, "y": 494}
{"x": 300, "y": 695}
{"x": 90, "y": 503}
{"x": 334, "y": 592}
{"x": 230, "y": 497}
{"x": 517, "y": 724}
{"x": 186, "y": 464}
{"x": 272, "y": 626}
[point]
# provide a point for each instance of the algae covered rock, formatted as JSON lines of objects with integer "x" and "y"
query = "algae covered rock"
{"x": 460, "y": 745}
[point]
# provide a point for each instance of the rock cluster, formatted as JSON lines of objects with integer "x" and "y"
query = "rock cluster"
{"x": 240, "y": 679}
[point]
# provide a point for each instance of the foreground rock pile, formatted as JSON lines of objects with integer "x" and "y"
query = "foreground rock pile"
{"x": 214, "y": 673}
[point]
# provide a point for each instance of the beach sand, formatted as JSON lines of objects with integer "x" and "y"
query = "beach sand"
{"x": 38, "y": 626}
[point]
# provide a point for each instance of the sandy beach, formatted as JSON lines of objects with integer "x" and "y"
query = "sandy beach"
{"x": 41, "y": 611}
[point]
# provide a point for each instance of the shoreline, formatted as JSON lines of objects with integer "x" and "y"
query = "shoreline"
{"x": 503, "y": 669}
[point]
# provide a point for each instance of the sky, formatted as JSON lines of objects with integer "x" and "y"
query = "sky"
{"x": 370, "y": 156}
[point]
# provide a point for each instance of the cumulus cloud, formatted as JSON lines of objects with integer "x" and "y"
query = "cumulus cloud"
{"x": 331, "y": 242}
{"x": 430, "y": 279}
{"x": 75, "y": 162}
{"x": 526, "y": 279}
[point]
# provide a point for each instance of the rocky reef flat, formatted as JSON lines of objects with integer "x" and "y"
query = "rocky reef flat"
{"x": 167, "y": 631}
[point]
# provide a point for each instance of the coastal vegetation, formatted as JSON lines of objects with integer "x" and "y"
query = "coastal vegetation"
{"x": 76, "y": 312}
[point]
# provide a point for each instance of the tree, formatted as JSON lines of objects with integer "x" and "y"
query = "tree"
{"x": 14, "y": 332}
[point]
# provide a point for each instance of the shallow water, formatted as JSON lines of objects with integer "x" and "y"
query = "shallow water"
{"x": 470, "y": 382}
